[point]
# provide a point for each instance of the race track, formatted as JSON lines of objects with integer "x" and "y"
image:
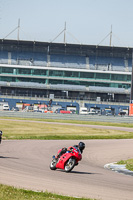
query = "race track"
{"x": 25, "y": 164}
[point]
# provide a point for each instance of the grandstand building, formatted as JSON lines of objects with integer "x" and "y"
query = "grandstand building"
{"x": 72, "y": 71}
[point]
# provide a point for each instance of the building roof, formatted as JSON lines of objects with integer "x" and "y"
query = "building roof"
{"x": 65, "y": 48}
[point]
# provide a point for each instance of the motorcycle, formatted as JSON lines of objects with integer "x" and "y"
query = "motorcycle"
{"x": 67, "y": 161}
{"x": 0, "y": 136}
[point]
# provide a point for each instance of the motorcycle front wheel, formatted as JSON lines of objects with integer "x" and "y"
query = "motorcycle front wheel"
{"x": 70, "y": 164}
{"x": 53, "y": 165}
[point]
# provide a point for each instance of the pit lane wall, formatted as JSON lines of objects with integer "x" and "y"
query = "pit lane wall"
{"x": 105, "y": 108}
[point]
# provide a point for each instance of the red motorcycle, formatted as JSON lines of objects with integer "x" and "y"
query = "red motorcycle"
{"x": 67, "y": 161}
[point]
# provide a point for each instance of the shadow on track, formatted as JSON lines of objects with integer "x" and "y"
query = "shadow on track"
{"x": 78, "y": 172}
{"x": 8, "y": 157}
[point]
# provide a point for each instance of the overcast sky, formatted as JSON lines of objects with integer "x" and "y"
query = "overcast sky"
{"x": 87, "y": 21}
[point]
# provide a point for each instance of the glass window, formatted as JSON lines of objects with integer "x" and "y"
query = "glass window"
{"x": 113, "y": 85}
{"x": 67, "y": 74}
{"x": 55, "y": 73}
{"x": 36, "y": 80}
{"x": 71, "y": 82}
{"x": 102, "y": 76}
{"x": 71, "y": 74}
{"x": 51, "y": 81}
{"x": 33, "y": 80}
{"x": 101, "y": 84}
{"x": 8, "y": 79}
{"x": 118, "y": 77}
{"x": 128, "y": 77}
{"x": 86, "y": 75}
{"x": 87, "y": 84}
{"x": 7, "y": 70}
{"x": 39, "y": 72}
{"x": 24, "y": 71}
{"x": 75, "y": 74}
{"x": 119, "y": 85}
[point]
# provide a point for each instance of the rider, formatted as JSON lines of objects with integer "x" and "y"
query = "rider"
{"x": 0, "y": 136}
{"x": 80, "y": 146}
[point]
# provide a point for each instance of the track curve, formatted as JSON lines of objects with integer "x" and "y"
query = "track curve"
{"x": 25, "y": 164}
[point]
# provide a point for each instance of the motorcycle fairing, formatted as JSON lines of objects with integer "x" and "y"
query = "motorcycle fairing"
{"x": 62, "y": 160}
{"x": 65, "y": 157}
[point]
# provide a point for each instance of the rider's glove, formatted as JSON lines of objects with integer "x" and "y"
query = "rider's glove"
{"x": 70, "y": 149}
{"x": 64, "y": 150}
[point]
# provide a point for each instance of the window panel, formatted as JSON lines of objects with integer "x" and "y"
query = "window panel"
{"x": 128, "y": 77}
{"x": 24, "y": 71}
{"x": 55, "y": 73}
{"x": 86, "y": 75}
{"x": 8, "y": 79}
{"x": 71, "y": 74}
{"x": 7, "y": 70}
{"x": 39, "y": 72}
{"x": 118, "y": 77}
{"x": 51, "y": 81}
{"x": 102, "y": 76}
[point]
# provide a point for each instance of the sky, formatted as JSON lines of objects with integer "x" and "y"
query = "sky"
{"x": 88, "y": 22}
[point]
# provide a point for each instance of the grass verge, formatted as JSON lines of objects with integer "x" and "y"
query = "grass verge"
{"x": 129, "y": 125}
{"x": 23, "y": 129}
{"x": 128, "y": 163}
{"x": 11, "y": 193}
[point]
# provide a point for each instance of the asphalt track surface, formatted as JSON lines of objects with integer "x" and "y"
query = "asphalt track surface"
{"x": 25, "y": 164}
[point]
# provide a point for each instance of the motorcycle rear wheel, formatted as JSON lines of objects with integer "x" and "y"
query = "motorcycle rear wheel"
{"x": 53, "y": 165}
{"x": 70, "y": 164}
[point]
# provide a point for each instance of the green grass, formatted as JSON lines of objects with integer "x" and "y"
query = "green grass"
{"x": 129, "y": 125}
{"x": 11, "y": 193}
{"x": 128, "y": 163}
{"x": 34, "y": 130}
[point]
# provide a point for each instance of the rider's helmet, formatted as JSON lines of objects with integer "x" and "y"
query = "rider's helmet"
{"x": 81, "y": 146}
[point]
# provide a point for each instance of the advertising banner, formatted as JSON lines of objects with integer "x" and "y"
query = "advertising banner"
{"x": 131, "y": 109}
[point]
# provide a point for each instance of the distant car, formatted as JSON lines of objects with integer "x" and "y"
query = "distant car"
{"x": 73, "y": 111}
{"x": 83, "y": 111}
{"x": 109, "y": 113}
{"x": 48, "y": 111}
{"x": 15, "y": 109}
{"x": 122, "y": 113}
{"x": 65, "y": 111}
{"x": 62, "y": 111}
{"x": 5, "y": 107}
{"x": 92, "y": 112}
{"x": 38, "y": 110}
